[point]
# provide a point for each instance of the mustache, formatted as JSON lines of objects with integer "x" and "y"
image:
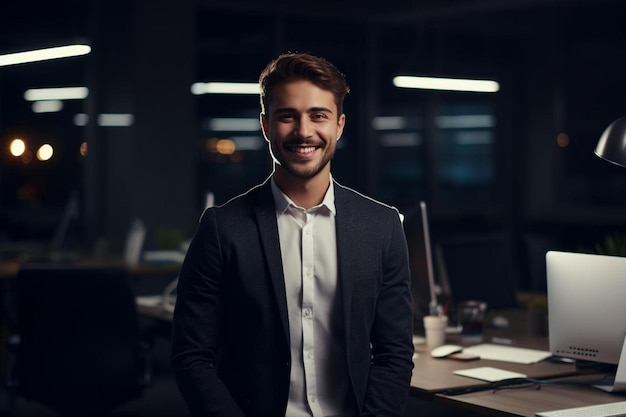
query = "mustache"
{"x": 301, "y": 142}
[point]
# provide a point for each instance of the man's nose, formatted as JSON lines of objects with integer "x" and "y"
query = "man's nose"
{"x": 304, "y": 127}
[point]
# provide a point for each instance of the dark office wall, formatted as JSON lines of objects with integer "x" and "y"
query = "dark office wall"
{"x": 142, "y": 65}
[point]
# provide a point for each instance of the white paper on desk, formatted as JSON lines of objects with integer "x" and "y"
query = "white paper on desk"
{"x": 504, "y": 353}
{"x": 487, "y": 373}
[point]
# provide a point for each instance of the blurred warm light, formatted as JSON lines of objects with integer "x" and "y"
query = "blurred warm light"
{"x": 83, "y": 149}
{"x": 226, "y": 147}
{"x": 449, "y": 84}
{"x": 44, "y": 54}
{"x": 562, "y": 139}
{"x": 17, "y": 147}
{"x": 224, "y": 88}
{"x": 56, "y": 93}
{"x": 47, "y": 106}
{"x": 45, "y": 152}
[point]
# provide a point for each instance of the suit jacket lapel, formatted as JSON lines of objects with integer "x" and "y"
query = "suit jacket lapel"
{"x": 266, "y": 217}
{"x": 346, "y": 256}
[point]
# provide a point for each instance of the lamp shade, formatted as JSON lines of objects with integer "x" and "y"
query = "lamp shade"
{"x": 612, "y": 144}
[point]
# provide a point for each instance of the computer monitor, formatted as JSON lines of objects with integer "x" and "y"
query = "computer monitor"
{"x": 587, "y": 309}
{"x": 423, "y": 286}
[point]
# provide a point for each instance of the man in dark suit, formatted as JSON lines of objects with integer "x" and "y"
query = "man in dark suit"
{"x": 294, "y": 298}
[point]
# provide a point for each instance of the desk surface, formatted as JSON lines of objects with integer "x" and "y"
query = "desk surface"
{"x": 525, "y": 402}
{"x": 431, "y": 376}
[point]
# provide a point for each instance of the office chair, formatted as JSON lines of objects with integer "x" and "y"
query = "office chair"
{"x": 77, "y": 348}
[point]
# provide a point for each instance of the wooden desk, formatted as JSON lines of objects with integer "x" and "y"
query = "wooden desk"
{"x": 525, "y": 402}
{"x": 432, "y": 376}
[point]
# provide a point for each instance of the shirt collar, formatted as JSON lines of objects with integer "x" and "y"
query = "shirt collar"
{"x": 283, "y": 202}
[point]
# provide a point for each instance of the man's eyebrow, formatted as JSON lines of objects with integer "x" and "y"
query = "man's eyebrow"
{"x": 310, "y": 110}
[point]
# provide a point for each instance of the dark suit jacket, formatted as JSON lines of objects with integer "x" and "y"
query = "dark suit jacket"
{"x": 230, "y": 346}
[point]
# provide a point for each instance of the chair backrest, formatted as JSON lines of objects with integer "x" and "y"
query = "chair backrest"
{"x": 78, "y": 337}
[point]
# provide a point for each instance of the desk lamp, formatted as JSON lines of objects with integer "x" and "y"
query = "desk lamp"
{"x": 612, "y": 144}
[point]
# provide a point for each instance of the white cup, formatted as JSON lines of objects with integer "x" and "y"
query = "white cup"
{"x": 435, "y": 327}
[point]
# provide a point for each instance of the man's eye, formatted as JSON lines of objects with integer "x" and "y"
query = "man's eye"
{"x": 286, "y": 117}
{"x": 319, "y": 116}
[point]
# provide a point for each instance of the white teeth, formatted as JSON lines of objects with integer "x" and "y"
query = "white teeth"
{"x": 305, "y": 150}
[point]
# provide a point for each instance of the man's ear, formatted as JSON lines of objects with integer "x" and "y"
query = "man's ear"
{"x": 340, "y": 125}
{"x": 264, "y": 126}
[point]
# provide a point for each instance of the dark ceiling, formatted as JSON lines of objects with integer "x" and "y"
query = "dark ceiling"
{"x": 235, "y": 38}
{"x": 237, "y": 27}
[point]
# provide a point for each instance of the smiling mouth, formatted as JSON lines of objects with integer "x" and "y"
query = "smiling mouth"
{"x": 302, "y": 149}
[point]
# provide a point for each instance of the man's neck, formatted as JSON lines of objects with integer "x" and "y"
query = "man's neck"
{"x": 305, "y": 192}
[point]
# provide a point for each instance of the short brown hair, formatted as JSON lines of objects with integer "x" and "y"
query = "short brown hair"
{"x": 302, "y": 66}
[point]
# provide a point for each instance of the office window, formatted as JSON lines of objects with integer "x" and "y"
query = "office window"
{"x": 465, "y": 154}
{"x": 402, "y": 157}
{"x": 233, "y": 154}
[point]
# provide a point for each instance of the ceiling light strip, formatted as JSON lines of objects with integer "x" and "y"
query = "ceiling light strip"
{"x": 44, "y": 54}
{"x": 224, "y": 88}
{"x": 61, "y": 93}
{"x": 447, "y": 84}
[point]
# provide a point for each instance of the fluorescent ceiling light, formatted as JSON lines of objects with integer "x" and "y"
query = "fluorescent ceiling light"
{"x": 474, "y": 138}
{"x": 469, "y": 121}
{"x": 44, "y": 54}
{"x": 224, "y": 88}
{"x": 389, "y": 122}
{"x": 47, "y": 106}
{"x": 62, "y": 93}
{"x": 81, "y": 119}
{"x": 115, "y": 119}
{"x": 248, "y": 143}
{"x": 106, "y": 119}
{"x": 400, "y": 140}
{"x": 450, "y": 84}
{"x": 226, "y": 124}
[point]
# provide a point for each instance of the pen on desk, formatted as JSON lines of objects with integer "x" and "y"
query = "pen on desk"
{"x": 503, "y": 341}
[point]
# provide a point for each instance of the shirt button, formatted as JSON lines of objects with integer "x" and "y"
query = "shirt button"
{"x": 307, "y": 312}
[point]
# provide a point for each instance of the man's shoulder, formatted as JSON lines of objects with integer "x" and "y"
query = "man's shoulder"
{"x": 347, "y": 194}
{"x": 258, "y": 194}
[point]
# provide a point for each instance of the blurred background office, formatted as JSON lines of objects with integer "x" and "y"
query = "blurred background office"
{"x": 141, "y": 143}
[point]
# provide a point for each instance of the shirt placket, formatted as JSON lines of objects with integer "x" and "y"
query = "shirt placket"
{"x": 308, "y": 314}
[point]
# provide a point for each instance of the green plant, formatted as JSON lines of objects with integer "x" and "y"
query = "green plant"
{"x": 613, "y": 244}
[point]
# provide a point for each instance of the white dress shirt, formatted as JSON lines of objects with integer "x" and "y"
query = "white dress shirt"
{"x": 319, "y": 383}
